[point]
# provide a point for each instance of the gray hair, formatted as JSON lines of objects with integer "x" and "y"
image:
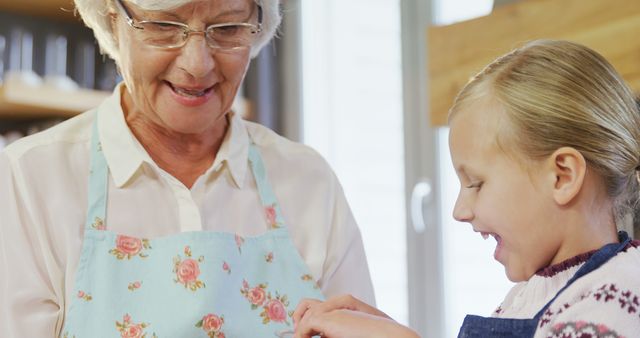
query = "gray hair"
{"x": 96, "y": 15}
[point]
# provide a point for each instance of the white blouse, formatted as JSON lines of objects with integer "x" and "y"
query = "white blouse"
{"x": 603, "y": 303}
{"x": 43, "y": 201}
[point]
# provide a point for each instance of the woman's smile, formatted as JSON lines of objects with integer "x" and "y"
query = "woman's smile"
{"x": 191, "y": 96}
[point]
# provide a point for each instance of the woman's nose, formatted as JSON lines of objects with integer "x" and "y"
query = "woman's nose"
{"x": 196, "y": 57}
{"x": 462, "y": 211}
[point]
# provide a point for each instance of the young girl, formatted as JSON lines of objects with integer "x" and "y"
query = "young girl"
{"x": 546, "y": 144}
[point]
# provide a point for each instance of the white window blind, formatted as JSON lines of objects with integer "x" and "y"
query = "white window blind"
{"x": 352, "y": 114}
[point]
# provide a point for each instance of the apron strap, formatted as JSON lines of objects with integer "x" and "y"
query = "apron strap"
{"x": 98, "y": 181}
{"x": 268, "y": 198}
{"x": 598, "y": 259}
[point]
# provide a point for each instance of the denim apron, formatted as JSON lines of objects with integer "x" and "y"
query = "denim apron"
{"x": 192, "y": 284}
{"x": 480, "y": 327}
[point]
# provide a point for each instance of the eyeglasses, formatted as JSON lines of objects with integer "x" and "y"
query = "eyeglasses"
{"x": 171, "y": 34}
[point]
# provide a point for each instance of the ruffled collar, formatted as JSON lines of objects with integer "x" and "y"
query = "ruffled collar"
{"x": 567, "y": 264}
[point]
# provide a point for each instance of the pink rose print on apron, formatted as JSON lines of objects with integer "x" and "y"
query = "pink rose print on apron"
{"x": 134, "y": 285}
{"x": 84, "y": 296}
{"x": 274, "y": 308}
{"x": 187, "y": 270}
{"x": 270, "y": 212}
{"x": 129, "y": 329}
{"x": 129, "y": 247}
{"x": 212, "y": 325}
{"x": 239, "y": 242}
{"x": 98, "y": 224}
{"x": 226, "y": 268}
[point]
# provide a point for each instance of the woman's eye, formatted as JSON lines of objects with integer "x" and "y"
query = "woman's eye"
{"x": 227, "y": 30}
{"x": 162, "y": 27}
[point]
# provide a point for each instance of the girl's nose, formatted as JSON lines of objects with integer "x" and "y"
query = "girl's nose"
{"x": 461, "y": 211}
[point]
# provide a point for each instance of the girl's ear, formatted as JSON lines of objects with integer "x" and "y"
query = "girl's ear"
{"x": 569, "y": 168}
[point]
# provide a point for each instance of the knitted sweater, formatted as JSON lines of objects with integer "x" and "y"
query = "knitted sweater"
{"x": 603, "y": 303}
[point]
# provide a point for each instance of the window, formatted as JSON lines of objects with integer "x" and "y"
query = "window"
{"x": 352, "y": 114}
{"x": 466, "y": 256}
{"x": 352, "y": 104}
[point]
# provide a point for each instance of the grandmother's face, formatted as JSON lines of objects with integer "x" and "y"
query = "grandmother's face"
{"x": 189, "y": 89}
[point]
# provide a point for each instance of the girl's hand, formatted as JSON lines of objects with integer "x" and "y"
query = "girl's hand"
{"x": 345, "y": 316}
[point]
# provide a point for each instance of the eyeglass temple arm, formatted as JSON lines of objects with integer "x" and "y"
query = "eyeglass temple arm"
{"x": 126, "y": 12}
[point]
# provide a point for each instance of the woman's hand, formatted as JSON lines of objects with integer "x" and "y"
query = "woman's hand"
{"x": 345, "y": 316}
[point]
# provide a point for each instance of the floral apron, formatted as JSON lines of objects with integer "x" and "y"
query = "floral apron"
{"x": 192, "y": 284}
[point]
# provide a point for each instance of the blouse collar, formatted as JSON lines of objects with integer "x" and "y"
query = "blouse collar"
{"x": 125, "y": 155}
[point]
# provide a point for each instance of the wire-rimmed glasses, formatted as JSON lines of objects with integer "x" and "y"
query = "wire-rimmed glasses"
{"x": 171, "y": 34}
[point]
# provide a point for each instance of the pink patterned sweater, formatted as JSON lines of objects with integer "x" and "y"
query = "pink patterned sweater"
{"x": 604, "y": 303}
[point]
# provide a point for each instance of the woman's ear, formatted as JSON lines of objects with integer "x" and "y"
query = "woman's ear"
{"x": 569, "y": 168}
{"x": 113, "y": 21}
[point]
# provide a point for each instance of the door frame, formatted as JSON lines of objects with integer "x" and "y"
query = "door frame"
{"x": 424, "y": 250}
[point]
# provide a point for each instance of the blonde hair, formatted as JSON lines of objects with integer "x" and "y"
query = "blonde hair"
{"x": 560, "y": 93}
{"x": 96, "y": 15}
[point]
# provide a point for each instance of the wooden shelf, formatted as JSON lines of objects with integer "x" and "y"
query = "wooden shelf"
{"x": 458, "y": 51}
{"x": 56, "y": 9}
{"x": 19, "y": 99}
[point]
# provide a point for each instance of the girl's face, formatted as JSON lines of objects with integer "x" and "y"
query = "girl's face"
{"x": 498, "y": 196}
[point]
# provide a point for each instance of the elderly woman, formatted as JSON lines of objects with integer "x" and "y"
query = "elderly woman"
{"x": 161, "y": 213}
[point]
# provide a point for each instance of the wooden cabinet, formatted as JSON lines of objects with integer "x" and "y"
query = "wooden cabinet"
{"x": 56, "y": 9}
{"x": 18, "y": 99}
{"x": 458, "y": 51}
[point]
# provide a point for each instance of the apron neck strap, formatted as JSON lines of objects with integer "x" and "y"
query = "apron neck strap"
{"x": 98, "y": 181}
{"x": 267, "y": 196}
{"x": 598, "y": 259}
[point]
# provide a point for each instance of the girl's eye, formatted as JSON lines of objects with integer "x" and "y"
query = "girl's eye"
{"x": 474, "y": 185}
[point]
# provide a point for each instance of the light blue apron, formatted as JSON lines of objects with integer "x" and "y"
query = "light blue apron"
{"x": 192, "y": 284}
